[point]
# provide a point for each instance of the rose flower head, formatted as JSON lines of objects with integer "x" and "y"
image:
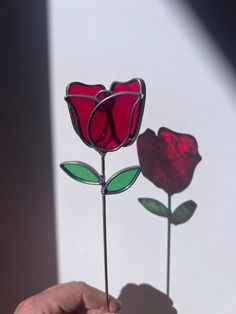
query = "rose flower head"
{"x": 107, "y": 120}
{"x": 168, "y": 159}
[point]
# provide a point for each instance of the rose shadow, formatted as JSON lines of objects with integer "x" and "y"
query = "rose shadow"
{"x": 140, "y": 299}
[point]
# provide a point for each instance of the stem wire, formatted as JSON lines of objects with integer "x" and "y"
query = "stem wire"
{"x": 105, "y": 232}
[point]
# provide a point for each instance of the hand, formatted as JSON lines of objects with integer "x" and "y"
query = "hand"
{"x": 73, "y": 297}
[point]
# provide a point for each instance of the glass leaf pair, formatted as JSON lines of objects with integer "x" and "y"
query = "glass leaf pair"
{"x": 84, "y": 173}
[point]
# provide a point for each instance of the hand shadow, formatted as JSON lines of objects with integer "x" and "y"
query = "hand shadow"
{"x": 144, "y": 299}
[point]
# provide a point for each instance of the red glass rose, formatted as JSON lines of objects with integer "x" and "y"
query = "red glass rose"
{"x": 107, "y": 119}
{"x": 168, "y": 159}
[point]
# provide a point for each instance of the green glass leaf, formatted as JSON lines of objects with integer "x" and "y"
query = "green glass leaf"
{"x": 122, "y": 180}
{"x": 81, "y": 172}
{"x": 154, "y": 206}
{"x": 183, "y": 212}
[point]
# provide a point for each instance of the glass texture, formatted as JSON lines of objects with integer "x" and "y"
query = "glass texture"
{"x": 83, "y": 108}
{"x": 111, "y": 123}
{"x": 133, "y": 86}
{"x": 134, "y": 124}
{"x": 82, "y": 173}
{"x": 122, "y": 181}
{"x": 83, "y": 89}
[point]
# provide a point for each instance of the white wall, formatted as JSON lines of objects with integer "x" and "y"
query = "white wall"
{"x": 190, "y": 90}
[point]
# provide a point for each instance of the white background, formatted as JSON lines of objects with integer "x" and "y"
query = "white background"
{"x": 190, "y": 90}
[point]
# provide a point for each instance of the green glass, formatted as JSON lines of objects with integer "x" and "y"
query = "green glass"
{"x": 122, "y": 181}
{"x": 154, "y": 206}
{"x": 82, "y": 172}
{"x": 183, "y": 212}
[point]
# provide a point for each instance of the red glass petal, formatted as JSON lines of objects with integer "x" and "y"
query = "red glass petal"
{"x": 77, "y": 88}
{"x": 110, "y": 124}
{"x": 80, "y": 111}
{"x": 134, "y": 85}
{"x": 135, "y": 123}
{"x": 137, "y": 86}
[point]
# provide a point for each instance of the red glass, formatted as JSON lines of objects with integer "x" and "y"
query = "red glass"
{"x": 107, "y": 119}
{"x": 111, "y": 124}
{"x": 130, "y": 86}
{"x": 80, "y": 108}
{"x": 168, "y": 159}
{"x": 76, "y": 88}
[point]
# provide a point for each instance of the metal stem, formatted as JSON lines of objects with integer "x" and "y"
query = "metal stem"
{"x": 168, "y": 249}
{"x": 105, "y": 233}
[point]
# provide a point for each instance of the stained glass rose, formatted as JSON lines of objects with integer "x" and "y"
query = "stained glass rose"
{"x": 107, "y": 119}
{"x": 168, "y": 159}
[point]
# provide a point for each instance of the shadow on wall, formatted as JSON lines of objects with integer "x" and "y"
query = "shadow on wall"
{"x": 144, "y": 299}
{"x": 218, "y": 18}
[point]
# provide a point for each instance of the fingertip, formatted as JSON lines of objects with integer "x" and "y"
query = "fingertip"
{"x": 114, "y": 306}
